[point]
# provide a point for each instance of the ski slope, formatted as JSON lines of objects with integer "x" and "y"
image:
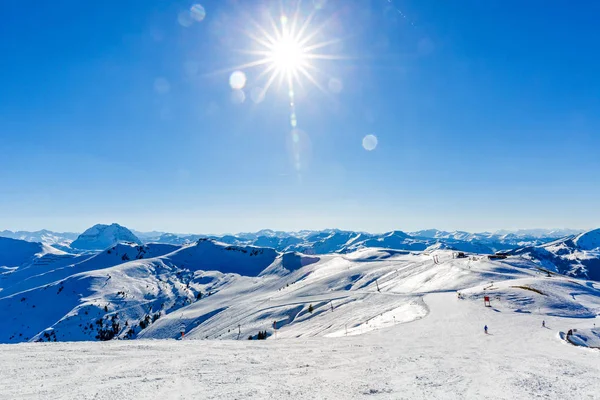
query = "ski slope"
{"x": 375, "y": 322}
{"x": 444, "y": 355}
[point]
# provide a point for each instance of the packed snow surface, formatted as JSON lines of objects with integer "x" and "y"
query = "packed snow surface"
{"x": 445, "y": 355}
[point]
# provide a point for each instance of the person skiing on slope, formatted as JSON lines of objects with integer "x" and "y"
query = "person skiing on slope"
{"x": 485, "y": 329}
{"x": 543, "y": 324}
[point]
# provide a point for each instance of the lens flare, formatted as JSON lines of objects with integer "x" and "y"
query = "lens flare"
{"x": 287, "y": 49}
{"x": 197, "y": 12}
{"x": 237, "y": 80}
{"x": 369, "y": 142}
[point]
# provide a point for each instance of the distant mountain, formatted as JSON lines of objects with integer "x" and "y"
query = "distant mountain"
{"x": 14, "y": 252}
{"x": 307, "y": 242}
{"x": 575, "y": 255}
{"x": 147, "y": 236}
{"x": 539, "y": 233}
{"x": 100, "y": 237}
{"x": 80, "y": 297}
{"x": 339, "y": 241}
{"x": 56, "y": 239}
{"x": 390, "y": 240}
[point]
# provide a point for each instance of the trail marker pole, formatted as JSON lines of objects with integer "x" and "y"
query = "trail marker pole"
{"x": 331, "y": 303}
{"x": 239, "y": 331}
{"x": 377, "y": 283}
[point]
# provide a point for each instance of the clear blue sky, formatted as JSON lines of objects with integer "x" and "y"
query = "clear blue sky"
{"x": 487, "y": 115}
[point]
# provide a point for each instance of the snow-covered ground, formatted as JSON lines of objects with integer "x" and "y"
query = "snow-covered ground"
{"x": 445, "y": 355}
{"x": 376, "y": 322}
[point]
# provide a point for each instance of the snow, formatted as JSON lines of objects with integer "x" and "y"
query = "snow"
{"x": 578, "y": 256}
{"x": 373, "y": 322}
{"x": 18, "y": 252}
{"x": 588, "y": 240}
{"x": 100, "y": 237}
{"x": 57, "y": 239}
{"x": 586, "y": 338}
{"x": 444, "y": 355}
{"x": 338, "y": 241}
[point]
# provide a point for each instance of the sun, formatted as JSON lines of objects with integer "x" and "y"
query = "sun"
{"x": 287, "y": 50}
{"x": 287, "y": 56}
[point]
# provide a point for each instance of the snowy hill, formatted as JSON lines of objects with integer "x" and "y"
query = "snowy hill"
{"x": 56, "y": 239}
{"x": 18, "y": 252}
{"x": 127, "y": 281}
{"x": 373, "y": 322}
{"x": 52, "y": 267}
{"x": 220, "y": 291}
{"x": 577, "y": 256}
{"x": 100, "y": 237}
{"x": 589, "y": 241}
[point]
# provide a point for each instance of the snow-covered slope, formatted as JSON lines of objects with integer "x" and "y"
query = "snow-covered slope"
{"x": 100, "y": 237}
{"x": 219, "y": 291}
{"x": 56, "y": 239}
{"x": 18, "y": 252}
{"x": 51, "y": 267}
{"x": 577, "y": 256}
{"x": 125, "y": 283}
{"x": 374, "y": 323}
{"x": 589, "y": 241}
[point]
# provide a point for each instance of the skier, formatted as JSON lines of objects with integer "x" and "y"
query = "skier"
{"x": 485, "y": 329}
{"x": 543, "y": 324}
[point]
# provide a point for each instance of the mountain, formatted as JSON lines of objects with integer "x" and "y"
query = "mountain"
{"x": 326, "y": 241}
{"x": 539, "y": 233}
{"x": 390, "y": 240}
{"x": 15, "y": 252}
{"x": 575, "y": 255}
{"x": 218, "y": 291}
{"x": 338, "y": 241}
{"x": 55, "y": 239}
{"x": 100, "y": 237}
{"x": 48, "y": 268}
{"x": 128, "y": 285}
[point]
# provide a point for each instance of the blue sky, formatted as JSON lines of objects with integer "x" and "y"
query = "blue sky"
{"x": 487, "y": 117}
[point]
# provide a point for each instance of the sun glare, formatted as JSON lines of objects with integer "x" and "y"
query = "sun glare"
{"x": 287, "y": 50}
{"x": 287, "y": 55}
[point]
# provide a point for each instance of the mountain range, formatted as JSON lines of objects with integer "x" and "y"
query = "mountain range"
{"x": 326, "y": 241}
{"x": 111, "y": 283}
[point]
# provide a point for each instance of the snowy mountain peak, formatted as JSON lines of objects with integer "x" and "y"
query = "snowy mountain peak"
{"x": 100, "y": 236}
{"x": 396, "y": 233}
{"x": 429, "y": 233}
{"x": 588, "y": 240}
